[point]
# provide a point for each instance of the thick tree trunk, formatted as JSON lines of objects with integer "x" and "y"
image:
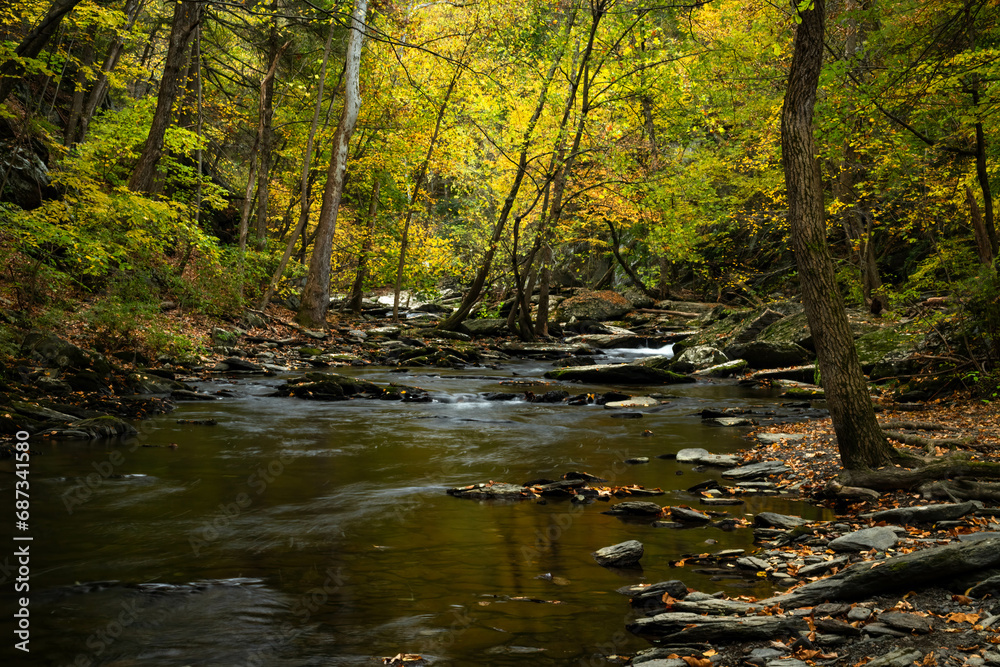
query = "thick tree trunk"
{"x": 859, "y": 437}
{"x": 316, "y": 293}
{"x": 32, "y": 44}
{"x": 187, "y": 15}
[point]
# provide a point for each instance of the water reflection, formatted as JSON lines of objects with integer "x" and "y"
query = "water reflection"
{"x": 320, "y": 532}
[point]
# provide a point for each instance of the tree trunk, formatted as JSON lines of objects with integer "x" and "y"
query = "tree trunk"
{"x": 305, "y": 183}
{"x": 32, "y": 44}
{"x": 80, "y": 88}
{"x": 357, "y": 290}
{"x": 316, "y": 293}
{"x": 187, "y": 15}
{"x": 476, "y": 288}
{"x": 418, "y": 184}
{"x": 859, "y": 437}
{"x": 983, "y": 247}
{"x": 100, "y": 88}
{"x": 265, "y": 133}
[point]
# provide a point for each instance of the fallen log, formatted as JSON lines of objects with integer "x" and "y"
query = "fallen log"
{"x": 935, "y": 565}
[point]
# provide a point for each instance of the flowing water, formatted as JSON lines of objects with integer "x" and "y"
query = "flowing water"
{"x": 308, "y": 533}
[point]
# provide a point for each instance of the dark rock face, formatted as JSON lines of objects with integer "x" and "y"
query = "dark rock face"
{"x": 767, "y": 354}
{"x": 52, "y": 350}
{"x": 24, "y": 165}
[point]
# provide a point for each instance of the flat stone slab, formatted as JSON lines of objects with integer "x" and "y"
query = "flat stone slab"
{"x": 880, "y": 538}
{"x": 906, "y": 622}
{"x": 688, "y": 515}
{"x": 634, "y": 508}
{"x": 723, "y": 370}
{"x": 756, "y": 470}
{"x": 624, "y": 554}
{"x": 634, "y": 402}
{"x": 704, "y": 457}
{"x": 775, "y": 520}
{"x": 774, "y": 438}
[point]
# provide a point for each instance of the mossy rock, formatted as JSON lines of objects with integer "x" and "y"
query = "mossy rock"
{"x": 306, "y": 351}
{"x": 618, "y": 374}
{"x": 884, "y": 353}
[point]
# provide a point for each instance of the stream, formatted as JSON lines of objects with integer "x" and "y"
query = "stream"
{"x": 312, "y": 533}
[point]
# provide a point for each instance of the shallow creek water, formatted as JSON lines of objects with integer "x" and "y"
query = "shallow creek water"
{"x": 307, "y": 533}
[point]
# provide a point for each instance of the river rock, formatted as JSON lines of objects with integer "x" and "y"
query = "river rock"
{"x": 237, "y": 364}
{"x": 328, "y": 387}
{"x": 634, "y": 508}
{"x": 604, "y": 305}
{"x": 624, "y": 554}
{"x": 724, "y": 370}
{"x": 620, "y": 374}
{"x": 775, "y": 520}
{"x": 729, "y": 422}
{"x": 51, "y": 350}
{"x": 40, "y": 413}
{"x": 880, "y": 538}
{"x": 703, "y": 457}
{"x": 697, "y": 358}
{"x": 774, "y": 438}
{"x": 756, "y": 470}
{"x": 634, "y": 402}
{"x": 644, "y": 593}
{"x": 906, "y": 622}
{"x": 899, "y": 658}
{"x": 821, "y": 568}
{"x": 688, "y": 515}
{"x": 804, "y": 374}
{"x": 493, "y": 491}
{"x": 764, "y": 354}
{"x": 486, "y": 327}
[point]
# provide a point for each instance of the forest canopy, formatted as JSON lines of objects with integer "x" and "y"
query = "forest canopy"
{"x": 185, "y": 149}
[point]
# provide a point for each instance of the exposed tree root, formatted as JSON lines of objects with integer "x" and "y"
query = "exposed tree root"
{"x": 961, "y": 489}
{"x": 945, "y": 471}
{"x": 916, "y": 426}
{"x": 928, "y": 444}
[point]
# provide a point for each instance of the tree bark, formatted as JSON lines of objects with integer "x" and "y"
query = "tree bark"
{"x": 33, "y": 43}
{"x": 983, "y": 246}
{"x": 316, "y": 293}
{"x": 859, "y": 437}
{"x": 187, "y": 15}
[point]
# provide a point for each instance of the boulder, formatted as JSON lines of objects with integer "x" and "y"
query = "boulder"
{"x": 924, "y": 514}
{"x": 700, "y": 456}
{"x": 768, "y": 354}
{"x": 486, "y": 327}
{"x": 52, "y": 350}
{"x": 624, "y": 554}
{"x": 634, "y": 402}
{"x": 880, "y": 538}
{"x": 600, "y": 306}
{"x": 775, "y": 520}
{"x": 697, "y": 358}
{"x": 328, "y": 387}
